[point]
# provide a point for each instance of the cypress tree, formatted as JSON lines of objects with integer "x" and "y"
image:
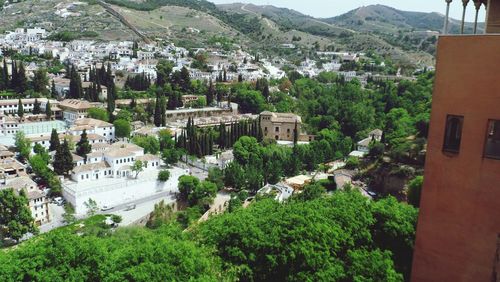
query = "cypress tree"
{"x": 75, "y": 84}
{"x": 53, "y": 91}
{"x": 157, "y": 113}
{"x": 111, "y": 98}
{"x": 5, "y": 75}
{"x": 83, "y": 146}
{"x": 3, "y": 84}
{"x": 54, "y": 141}
{"x": 265, "y": 91}
{"x": 14, "y": 81}
{"x": 20, "y": 109}
{"x": 48, "y": 110}
{"x": 211, "y": 144}
{"x": 36, "y": 108}
{"x": 63, "y": 160}
{"x": 163, "y": 110}
{"x": 295, "y": 134}
{"x": 260, "y": 135}
{"x": 222, "y": 136}
{"x": 210, "y": 93}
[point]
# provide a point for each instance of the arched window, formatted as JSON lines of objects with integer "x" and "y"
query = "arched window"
{"x": 453, "y": 133}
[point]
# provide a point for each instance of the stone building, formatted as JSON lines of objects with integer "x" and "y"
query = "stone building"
{"x": 281, "y": 126}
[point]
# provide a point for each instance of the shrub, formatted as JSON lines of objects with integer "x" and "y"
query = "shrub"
{"x": 164, "y": 175}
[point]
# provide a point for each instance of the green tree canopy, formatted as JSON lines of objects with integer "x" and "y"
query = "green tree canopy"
{"x": 15, "y": 215}
{"x": 122, "y": 128}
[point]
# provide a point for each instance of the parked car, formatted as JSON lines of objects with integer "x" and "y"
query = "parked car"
{"x": 106, "y": 208}
{"x": 59, "y": 201}
{"x": 130, "y": 207}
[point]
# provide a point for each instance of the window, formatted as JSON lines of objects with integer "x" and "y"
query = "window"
{"x": 453, "y": 133}
{"x": 277, "y": 129}
{"x": 492, "y": 147}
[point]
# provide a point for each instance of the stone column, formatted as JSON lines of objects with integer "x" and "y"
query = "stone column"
{"x": 465, "y": 3}
{"x": 446, "y": 18}
{"x": 477, "y": 4}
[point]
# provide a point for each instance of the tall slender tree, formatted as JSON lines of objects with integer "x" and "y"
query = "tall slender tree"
{"x": 22, "y": 81}
{"x": 157, "y": 113}
{"x": 83, "y": 147}
{"x": 48, "y": 110}
{"x": 63, "y": 160}
{"x": 54, "y": 141}
{"x": 20, "y": 109}
{"x": 295, "y": 134}
{"x": 36, "y": 107}
{"x": 5, "y": 75}
{"x": 75, "y": 84}
{"x": 53, "y": 91}
{"x": 210, "y": 93}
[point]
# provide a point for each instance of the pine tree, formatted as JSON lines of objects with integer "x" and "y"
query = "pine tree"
{"x": 20, "y": 109}
{"x": 36, "y": 108}
{"x": 54, "y": 141}
{"x": 83, "y": 146}
{"x": 53, "y": 91}
{"x": 48, "y": 110}
{"x": 63, "y": 160}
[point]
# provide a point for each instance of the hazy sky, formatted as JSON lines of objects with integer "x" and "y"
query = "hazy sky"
{"x": 330, "y": 8}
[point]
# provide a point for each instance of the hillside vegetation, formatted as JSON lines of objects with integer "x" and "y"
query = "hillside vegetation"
{"x": 342, "y": 237}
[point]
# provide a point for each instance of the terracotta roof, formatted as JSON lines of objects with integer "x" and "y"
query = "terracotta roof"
{"x": 19, "y": 183}
{"x": 282, "y": 117}
{"x": 148, "y": 157}
{"x": 92, "y": 122}
{"x": 90, "y": 167}
{"x": 119, "y": 153}
{"x": 75, "y": 104}
{"x": 124, "y": 145}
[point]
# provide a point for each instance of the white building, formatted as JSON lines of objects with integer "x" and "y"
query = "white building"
{"x": 74, "y": 109}
{"x": 114, "y": 162}
{"x": 93, "y": 126}
{"x": 38, "y": 203}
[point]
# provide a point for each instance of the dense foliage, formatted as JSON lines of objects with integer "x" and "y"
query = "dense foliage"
{"x": 343, "y": 237}
{"x": 93, "y": 253}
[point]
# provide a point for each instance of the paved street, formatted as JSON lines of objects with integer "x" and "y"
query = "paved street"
{"x": 56, "y": 219}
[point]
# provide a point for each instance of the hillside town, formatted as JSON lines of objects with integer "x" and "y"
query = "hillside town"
{"x": 198, "y": 141}
{"x": 62, "y": 117}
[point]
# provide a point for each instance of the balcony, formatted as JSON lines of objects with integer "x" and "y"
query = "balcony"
{"x": 491, "y": 8}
